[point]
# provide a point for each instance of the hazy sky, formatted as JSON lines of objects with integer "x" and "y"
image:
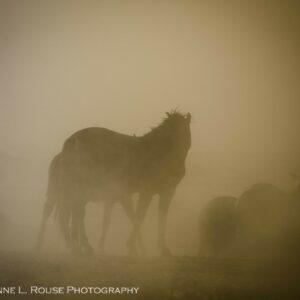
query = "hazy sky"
{"x": 234, "y": 65}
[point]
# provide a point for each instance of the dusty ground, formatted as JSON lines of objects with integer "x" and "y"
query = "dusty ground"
{"x": 158, "y": 278}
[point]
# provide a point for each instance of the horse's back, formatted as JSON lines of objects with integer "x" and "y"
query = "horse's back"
{"x": 98, "y": 140}
{"x": 262, "y": 197}
{"x": 97, "y": 155}
{"x": 263, "y": 210}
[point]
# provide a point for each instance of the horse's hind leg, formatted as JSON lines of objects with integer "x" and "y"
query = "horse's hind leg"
{"x": 129, "y": 210}
{"x": 107, "y": 211}
{"x": 47, "y": 210}
{"x": 82, "y": 232}
{"x": 75, "y": 230}
{"x": 65, "y": 213}
{"x": 79, "y": 240}
{"x": 142, "y": 208}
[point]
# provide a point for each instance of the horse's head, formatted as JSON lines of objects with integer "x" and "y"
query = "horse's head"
{"x": 178, "y": 126}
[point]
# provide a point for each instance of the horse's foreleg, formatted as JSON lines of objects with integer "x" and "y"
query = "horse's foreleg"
{"x": 107, "y": 211}
{"x": 142, "y": 208}
{"x": 164, "y": 204}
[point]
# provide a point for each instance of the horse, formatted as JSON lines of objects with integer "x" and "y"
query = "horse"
{"x": 101, "y": 161}
{"x": 218, "y": 226}
{"x": 54, "y": 192}
{"x": 269, "y": 219}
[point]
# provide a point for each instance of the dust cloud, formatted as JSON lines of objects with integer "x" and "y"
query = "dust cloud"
{"x": 68, "y": 65}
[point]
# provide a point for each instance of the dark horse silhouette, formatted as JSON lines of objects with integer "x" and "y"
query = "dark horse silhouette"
{"x": 218, "y": 226}
{"x": 101, "y": 161}
{"x": 269, "y": 218}
{"x": 55, "y": 192}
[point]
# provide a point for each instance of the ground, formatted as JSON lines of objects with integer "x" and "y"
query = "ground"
{"x": 157, "y": 278}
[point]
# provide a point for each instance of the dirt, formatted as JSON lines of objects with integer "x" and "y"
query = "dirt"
{"x": 156, "y": 278}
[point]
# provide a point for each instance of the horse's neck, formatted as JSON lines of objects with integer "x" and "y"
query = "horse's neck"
{"x": 155, "y": 143}
{"x": 159, "y": 148}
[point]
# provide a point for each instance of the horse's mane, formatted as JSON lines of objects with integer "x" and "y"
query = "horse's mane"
{"x": 172, "y": 118}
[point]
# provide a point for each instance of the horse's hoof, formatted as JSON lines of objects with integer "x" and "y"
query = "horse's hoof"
{"x": 38, "y": 249}
{"x": 143, "y": 252}
{"x": 75, "y": 251}
{"x": 132, "y": 252}
{"x": 142, "y": 249}
{"x": 89, "y": 251}
{"x": 165, "y": 252}
{"x": 101, "y": 250}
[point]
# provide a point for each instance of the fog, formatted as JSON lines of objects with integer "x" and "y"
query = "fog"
{"x": 68, "y": 65}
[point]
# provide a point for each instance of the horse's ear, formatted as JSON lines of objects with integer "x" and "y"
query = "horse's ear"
{"x": 188, "y": 117}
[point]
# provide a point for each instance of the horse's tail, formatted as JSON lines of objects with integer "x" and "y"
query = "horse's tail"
{"x": 56, "y": 210}
{"x": 71, "y": 152}
{"x": 65, "y": 174}
{"x": 51, "y": 197}
{"x": 74, "y": 160}
{"x": 57, "y": 195}
{"x": 54, "y": 185}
